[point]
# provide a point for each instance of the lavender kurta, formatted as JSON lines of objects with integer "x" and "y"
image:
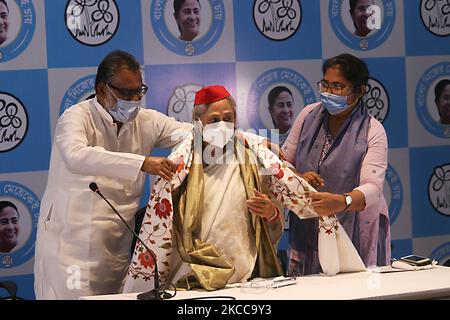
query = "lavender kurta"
{"x": 374, "y": 219}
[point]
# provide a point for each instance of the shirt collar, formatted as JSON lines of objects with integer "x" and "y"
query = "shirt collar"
{"x": 103, "y": 113}
{"x": 108, "y": 118}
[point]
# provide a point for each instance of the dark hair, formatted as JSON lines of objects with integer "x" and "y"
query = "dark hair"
{"x": 274, "y": 93}
{"x": 440, "y": 86}
{"x": 353, "y": 4}
{"x": 112, "y": 63}
{"x": 177, "y": 6}
{"x": 6, "y": 5}
{"x": 6, "y": 204}
{"x": 354, "y": 69}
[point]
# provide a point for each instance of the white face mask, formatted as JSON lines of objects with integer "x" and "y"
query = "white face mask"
{"x": 218, "y": 133}
{"x": 125, "y": 110}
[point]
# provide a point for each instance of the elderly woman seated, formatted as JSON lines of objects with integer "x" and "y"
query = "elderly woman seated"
{"x": 216, "y": 222}
{"x": 227, "y": 203}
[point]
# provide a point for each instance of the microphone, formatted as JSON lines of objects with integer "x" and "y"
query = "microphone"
{"x": 156, "y": 293}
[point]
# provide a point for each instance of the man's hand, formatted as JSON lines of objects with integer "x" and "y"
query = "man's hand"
{"x": 261, "y": 205}
{"x": 313, "y": 179}
{"x": 326, "y": 203}
{"x": 159, "y": 166}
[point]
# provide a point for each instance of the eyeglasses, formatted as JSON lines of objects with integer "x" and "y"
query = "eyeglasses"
{"x": 336, "y": 87}
{"x": 128, "y": 94}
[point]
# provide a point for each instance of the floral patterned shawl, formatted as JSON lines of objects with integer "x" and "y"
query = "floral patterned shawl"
{"x": 157, "y": 229}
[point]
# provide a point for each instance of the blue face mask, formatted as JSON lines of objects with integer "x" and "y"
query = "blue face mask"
{"x": 333, "y": 103}
{"x": 125, "y": 110}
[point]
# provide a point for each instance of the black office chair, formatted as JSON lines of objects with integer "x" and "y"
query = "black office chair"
{"x": 11, "y": 288}
{"x": 139, "y": 216}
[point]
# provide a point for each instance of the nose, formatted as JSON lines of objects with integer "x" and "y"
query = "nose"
{"x": 192, "y": 15}
{"x": 285, "y": 109}
{"x": 10, "y": 226}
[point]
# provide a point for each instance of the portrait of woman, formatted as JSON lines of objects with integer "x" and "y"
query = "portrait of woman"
{"x": 187, "y": 17}
{"x": 360, "y": 16}
{"x": 442, "y": 100}
{"x": 9, "y": 226}
{"x": 4, "y": 22}
{"x": 281, "y": 103}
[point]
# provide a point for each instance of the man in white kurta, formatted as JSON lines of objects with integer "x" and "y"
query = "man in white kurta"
{"x": 82, "y": 247}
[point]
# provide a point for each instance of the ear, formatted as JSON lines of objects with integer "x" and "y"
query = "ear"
{"x": 101, "y": 89}
{"x": 101, "y": 92}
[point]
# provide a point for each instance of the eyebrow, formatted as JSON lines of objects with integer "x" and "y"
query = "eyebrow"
{"x": 218, "y": 114}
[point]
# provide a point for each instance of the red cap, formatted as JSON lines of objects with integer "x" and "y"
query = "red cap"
{"x": 210, "y": 94}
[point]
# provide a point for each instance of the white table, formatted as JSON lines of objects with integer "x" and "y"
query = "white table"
{"x": 423, "y": 284}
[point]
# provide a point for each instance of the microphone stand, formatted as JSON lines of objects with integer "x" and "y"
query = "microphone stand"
{"x": 156, "y": 293}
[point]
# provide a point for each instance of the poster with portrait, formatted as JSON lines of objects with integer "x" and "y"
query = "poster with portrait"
{"x": 429, "y": 100}
{"x": 19, "y": 213}
{"x": 295, "y": 81}
{"x": 22, "y": 34}
{"x": 188, "y": 31}
{"x": 367, "y": 28}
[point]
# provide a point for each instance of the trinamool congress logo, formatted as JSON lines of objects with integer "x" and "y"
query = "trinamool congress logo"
{"x": 257, "y": 100}
{"x": 442, "y": 254}
{"x": 277, "y": 19}
{"x": 17, "y": 32}
{"x": 425, "y": 100}
{"x": 19, "y": 234}
{"x": 439, "y": 189}
{"x": 376, "y": 99}
{"x": 393, "y": 192}
{"x": 181, "y": 102}
{"x": 364, "y": 27}
{"x": 81, "y": 90}
{"x": 92, "y": 22}
{"x": 188, "y": 33}
{"x": 435, "y": 16}
{"x": 13, "y": 122}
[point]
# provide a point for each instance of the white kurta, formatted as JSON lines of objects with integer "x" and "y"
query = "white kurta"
{"x": 226, "y": 220}
{"x": 82, "y": 247}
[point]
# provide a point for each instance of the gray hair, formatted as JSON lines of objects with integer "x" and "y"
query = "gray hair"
{"x": 200, "y": 109}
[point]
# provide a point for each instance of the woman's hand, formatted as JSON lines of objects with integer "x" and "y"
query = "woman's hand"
{"x": 313, "y": 179}
{"x": 326, "y": 204}
{"x": 262, "y": 206}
